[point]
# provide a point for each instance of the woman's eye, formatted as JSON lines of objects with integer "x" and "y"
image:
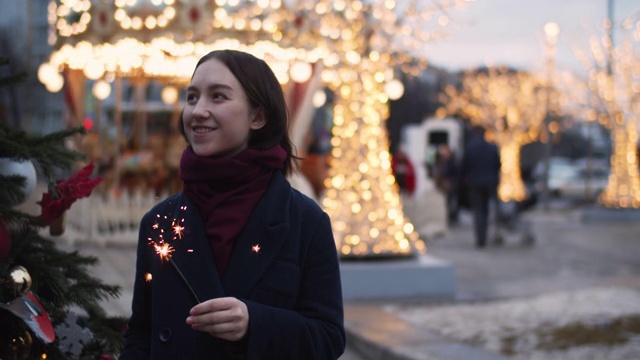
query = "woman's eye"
{"x": 191, "y": 97}
{"x": 218, "y": 96}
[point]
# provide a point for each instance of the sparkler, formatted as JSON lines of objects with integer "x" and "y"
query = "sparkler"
{"x": 164, "y": 250}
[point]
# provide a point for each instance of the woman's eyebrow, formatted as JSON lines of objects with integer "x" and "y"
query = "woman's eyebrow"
{"x": 214, "y": 86}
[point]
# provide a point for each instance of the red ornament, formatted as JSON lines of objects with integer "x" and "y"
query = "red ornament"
{"x": 77, "y": 186}
{"x": 5, "y": 242}
{"x": 87, "y": 123}
{"x": 33, "y": 314}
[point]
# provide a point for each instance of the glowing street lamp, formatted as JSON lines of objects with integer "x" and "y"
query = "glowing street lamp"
{"x": 101, "y": 90}
{"x": 169, "y": 95}
{"x": 394, "y": 89}
{"x": 551, "y": 30}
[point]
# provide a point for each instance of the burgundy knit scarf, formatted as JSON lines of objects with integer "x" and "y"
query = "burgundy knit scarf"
{"x": 225, "y": 191}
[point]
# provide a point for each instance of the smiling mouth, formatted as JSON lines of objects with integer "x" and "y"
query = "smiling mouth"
{"x": 202, "y": 129}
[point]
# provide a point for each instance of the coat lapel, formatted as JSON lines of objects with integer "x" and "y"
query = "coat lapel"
{"x": 260, "y": 241}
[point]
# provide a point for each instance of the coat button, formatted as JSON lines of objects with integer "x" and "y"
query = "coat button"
{"x": 165, "y": 334}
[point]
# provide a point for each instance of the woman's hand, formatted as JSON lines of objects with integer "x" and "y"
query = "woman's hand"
{"x": 225, "y": 318}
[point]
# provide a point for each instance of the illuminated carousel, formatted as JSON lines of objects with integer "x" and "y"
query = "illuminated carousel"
{"x": 354, "y": 48}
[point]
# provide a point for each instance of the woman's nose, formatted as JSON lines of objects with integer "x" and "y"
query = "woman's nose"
{"x": 200, "y": 110}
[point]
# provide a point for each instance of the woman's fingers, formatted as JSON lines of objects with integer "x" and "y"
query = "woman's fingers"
{"x": 225, "y": 318}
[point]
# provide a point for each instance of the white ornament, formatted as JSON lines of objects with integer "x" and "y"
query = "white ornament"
{"x": 23, "y": 168}
{"x": 72, "y": 338}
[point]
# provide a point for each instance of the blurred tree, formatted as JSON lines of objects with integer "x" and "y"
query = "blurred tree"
{"x": 507, "y": 103}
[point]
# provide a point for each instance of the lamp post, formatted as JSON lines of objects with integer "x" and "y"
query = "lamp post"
{"x": 551, "y": 30}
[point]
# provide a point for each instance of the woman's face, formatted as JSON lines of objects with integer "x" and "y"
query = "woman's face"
{"x": 217, "y": 115}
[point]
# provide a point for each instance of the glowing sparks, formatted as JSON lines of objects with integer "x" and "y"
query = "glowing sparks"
{"x": 161, "y": 247}
{"x": 177, "y": 231}
{"x": 256, "y": 248}
{"x": 164, "y": 250}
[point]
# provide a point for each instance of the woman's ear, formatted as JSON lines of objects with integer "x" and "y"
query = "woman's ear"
{"x": 259, "y": 119}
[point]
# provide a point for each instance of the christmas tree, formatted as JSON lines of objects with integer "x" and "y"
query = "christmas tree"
{"x": 49, "y": 302}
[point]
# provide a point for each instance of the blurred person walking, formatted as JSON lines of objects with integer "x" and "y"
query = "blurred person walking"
{"x": 446, "y": 179}
{"x": 481, "y": 176}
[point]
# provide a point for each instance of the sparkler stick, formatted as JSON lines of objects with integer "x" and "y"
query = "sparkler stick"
{"x": 164, "y": 250}
{"x": 175, "y": 266}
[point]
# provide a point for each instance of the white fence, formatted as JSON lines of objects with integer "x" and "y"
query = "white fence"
{"x": 112, "y": 219}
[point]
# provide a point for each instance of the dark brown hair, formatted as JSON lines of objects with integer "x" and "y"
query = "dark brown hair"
{"x": 263, "y": 90}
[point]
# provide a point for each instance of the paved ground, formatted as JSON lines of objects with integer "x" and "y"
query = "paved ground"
{"x": 576, "y": 262}
{"x": 569, "y": 254}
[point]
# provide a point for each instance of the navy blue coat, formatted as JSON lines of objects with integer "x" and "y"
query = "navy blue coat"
{"x": 481, "y": 163}
{"x": 291, "y": 286}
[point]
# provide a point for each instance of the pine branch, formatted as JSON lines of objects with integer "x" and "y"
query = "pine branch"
{"x": 60, "y": 278}
{"x": 107, "y": 333}
{"x": 9, "y": 186}
{"x": 13, "y": 143}
{"x": 19, "y": 219}
{"x": 48, "y": 150}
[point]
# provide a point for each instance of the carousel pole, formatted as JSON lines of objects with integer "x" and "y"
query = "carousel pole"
{"x": 117, "y": 117}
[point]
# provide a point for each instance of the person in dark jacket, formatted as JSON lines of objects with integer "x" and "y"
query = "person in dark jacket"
{"x": 481, "y": 176}
{"x": 445, "y": 174}
{"x": 239, "y": 265}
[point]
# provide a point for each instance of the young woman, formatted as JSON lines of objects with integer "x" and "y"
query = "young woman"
{"x": 239, "y": 265}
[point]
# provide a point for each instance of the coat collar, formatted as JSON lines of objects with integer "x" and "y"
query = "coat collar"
{"x": 261, "y": 240}
{"x": 256, "y": 247}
